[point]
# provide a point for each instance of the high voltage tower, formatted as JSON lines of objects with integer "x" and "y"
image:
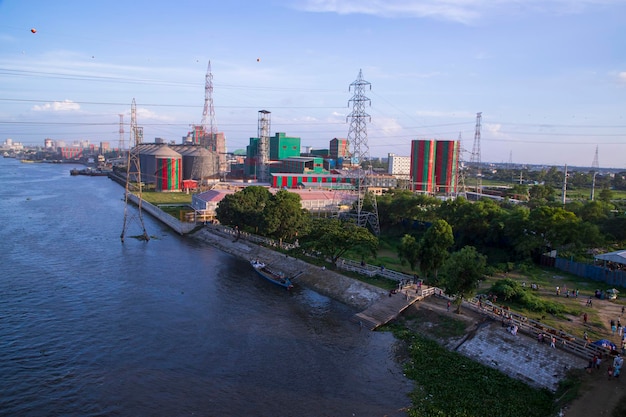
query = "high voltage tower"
{"x": 121, "y": 145}
{"x": 208, "y": 111}
{"x": 460, "y": 186}
{"x": 207, "y": 161}
{"x": 133, "y": 177}
{"x": 357, "y": 137}
{"x": 475, "y": 157}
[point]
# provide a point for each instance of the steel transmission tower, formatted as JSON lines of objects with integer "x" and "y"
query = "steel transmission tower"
{"x": 121, "y": 145}
{"x": 133, "y": 178}
{"x": 357, "y": 137}
{"x": 595, "y": 166}
{"x": 475, "y": 157}
{"x": 209, "y": 111}
{"x": 263, "y": 148}
{"x": 460, "y": 186}
{"x": 208, "y": 160}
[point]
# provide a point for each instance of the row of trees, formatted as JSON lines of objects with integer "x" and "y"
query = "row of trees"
{"x": 447, "y": 242}
{"x": 281, "y": 216}
{"x": 504, "y": 231}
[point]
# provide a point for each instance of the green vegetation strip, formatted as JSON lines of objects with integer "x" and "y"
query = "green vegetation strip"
{"x": 451, "y": 385}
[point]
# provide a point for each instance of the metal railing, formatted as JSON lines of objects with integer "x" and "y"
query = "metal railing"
{"x": 533, "y": 328}
{"x": 265, "y": 241}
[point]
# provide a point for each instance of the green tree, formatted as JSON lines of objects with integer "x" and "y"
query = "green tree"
{"x": 244, "y": 209}
{"x": 408, "y": 251}
{"x": 433, "y": 248}
{"x": 332, "y": 238}
{"x": 516, "y": 233}
{"x": 553, "y": 227}
{"x": 606, "y": 195}
{"x": 461, "y": 273}
{"x": 471, "y": 222}
{"x": 284, "y": 218}
{"x": 595, "y": 211}
{"x": 540, "y": 195}
{"x": 618, "y": 182}
{"x": 402, "y": 207}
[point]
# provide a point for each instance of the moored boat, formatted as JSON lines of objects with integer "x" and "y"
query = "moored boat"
{"x": 271, "y": 275}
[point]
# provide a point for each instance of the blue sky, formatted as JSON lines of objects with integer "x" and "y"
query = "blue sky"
{"x": 549, "y": 76}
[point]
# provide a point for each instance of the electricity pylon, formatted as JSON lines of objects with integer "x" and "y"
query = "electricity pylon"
{"x": 133, "y": 178}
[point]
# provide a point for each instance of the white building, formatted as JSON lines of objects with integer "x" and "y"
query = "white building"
{"x": 399, "y": 166}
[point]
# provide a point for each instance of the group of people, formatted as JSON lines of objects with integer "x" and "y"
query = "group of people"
{"x": 617, "y": 327}
{"x": 572, "y": 293}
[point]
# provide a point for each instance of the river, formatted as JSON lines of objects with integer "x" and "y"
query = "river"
{"x": 91, "y": 326}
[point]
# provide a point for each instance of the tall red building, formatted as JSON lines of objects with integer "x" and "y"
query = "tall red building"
{"x": 447, "y": 166}
{"x": 422, "y": 165}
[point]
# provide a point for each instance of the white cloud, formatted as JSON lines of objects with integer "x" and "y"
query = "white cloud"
{"x": 388, "y": 125}
{"x": 145, "y": 114}
{"x": 622, "y": 76}
{"x": 449, "y": 10}
{"x": 463, "y": 11}
{"x": 65, "y": 105}
{"x": 493, "y": 130}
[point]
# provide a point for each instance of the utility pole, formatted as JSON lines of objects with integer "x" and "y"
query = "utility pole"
{"x": 564, "y": 185}
{"x": 595, "y": 166}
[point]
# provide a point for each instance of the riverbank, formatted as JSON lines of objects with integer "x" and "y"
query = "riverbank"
{"x": 349, "y": 291}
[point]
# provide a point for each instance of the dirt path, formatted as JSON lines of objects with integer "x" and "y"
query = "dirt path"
{"x": 599, "y": 394}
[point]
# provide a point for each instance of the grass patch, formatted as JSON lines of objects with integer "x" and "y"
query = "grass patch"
{"x": 451, "y": 385}
{"x": 158, "y": 198}
{"x": 435, "y": 325}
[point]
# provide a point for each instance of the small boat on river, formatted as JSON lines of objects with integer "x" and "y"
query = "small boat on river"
{"x": 271, "y": 275}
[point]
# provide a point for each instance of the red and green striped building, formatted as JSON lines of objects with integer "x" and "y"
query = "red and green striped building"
{"x": 423, "y": 165}
{"x": 169, "y": 174}
{"x": 435, "y": 165}
{"x": 289, "y": 180}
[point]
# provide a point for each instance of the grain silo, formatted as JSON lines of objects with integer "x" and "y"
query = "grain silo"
{"x": 169, "y": 169}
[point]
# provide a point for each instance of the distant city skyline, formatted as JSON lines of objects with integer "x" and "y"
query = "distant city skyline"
{"x": 549, "y": 76}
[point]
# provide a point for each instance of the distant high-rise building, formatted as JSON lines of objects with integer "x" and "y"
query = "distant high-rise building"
{"x": 339, "y": 149}
{"x": 399, "y": 166}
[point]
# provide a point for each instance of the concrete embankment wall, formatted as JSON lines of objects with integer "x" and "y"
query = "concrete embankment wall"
{"x": 349, "y": 291}
{"x": 180, "y": 227}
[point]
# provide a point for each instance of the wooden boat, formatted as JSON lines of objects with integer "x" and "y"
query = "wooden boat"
{"x": 273, "y": 276}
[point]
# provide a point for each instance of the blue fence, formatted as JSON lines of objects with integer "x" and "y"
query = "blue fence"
{"x": 614, "y": 278}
